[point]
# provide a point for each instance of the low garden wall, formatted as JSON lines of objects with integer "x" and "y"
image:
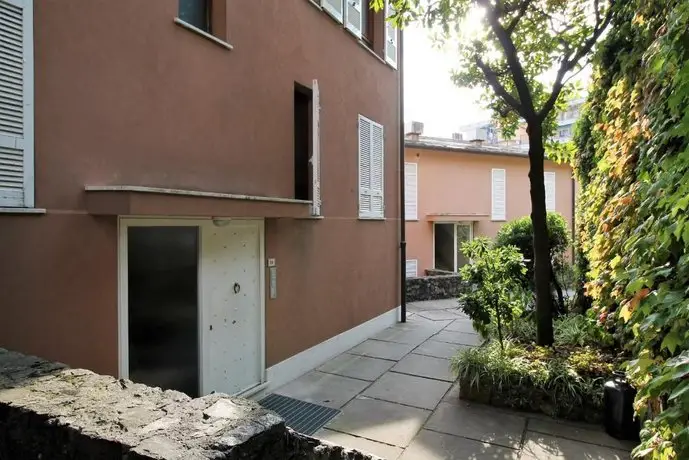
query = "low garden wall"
{"x": 436, "y": 285}
{"x": 50, "y": 411}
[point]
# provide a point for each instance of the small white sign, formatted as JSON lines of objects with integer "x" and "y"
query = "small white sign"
{"x": 271, "y": 262}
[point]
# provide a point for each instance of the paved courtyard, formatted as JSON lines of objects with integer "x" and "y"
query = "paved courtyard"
{"x": 399, "y": 402}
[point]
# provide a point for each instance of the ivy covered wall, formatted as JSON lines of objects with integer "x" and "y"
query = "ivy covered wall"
{"x": 633, "y": 218}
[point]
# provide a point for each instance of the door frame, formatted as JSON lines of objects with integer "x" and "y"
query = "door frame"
{"x": 469, "y": 224}
{"x": 123, "y": 224}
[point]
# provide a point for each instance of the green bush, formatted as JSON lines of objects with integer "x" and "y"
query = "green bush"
{"x": 566, "y": 383}
{"x": 519, "y": 233}
{"x": 570, "y": 331}
{"x": 494, "y": 295}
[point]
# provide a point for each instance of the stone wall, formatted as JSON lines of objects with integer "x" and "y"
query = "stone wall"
{"x": 52, "y": 412}
{"x": 445, "y": 286}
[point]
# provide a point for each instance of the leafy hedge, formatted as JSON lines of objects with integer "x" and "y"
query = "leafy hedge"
{"x": 633, "y": 169}
{"x": 565, "y": 382}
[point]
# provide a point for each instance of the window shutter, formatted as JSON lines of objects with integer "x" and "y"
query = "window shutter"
{"x": 353, "y": 16}
{"x": 377, "y": 153}
{"x": 412, "y": 268}
{"x": 16, "y": 103}
{"x": 549, "y": 180}
{"x": 334, "y": 8}
{"x": 390, "y": 37}
{"x": 371, "y": 152}
{"x": 498, "y": 189}
{"x": 410, "y": 191}
{"x": 316, "y": 150}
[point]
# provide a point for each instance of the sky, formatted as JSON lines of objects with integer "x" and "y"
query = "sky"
{"x": 429, "y": 95}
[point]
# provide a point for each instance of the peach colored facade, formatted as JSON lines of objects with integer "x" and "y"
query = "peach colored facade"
{"x": 455, "y": 187}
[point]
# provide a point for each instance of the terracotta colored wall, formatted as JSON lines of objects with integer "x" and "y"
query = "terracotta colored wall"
{"x": 460, "y": 183}
{"x": 125, "y": 96}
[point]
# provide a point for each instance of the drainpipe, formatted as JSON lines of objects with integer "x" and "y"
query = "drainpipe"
{"x": 574, "y": 217}
{"x": 403, "y": 242}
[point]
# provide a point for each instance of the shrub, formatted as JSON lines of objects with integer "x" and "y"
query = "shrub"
{"x": 570, "y": 331}
{"x": 519, "y": 233}
{"x": 565, "y": 383}
{"x": 494, "y": 295}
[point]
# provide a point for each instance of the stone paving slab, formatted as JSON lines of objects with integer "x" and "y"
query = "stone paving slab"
{"x": 543, "y": 447}
{"x": 379, "y": 449}
{"x": 425, "y": 366}
{"x": 325, "y": 389}
{"x": 461, "y": 325}
{"x": 413, "y": 337}
{"x": 459, "y": 338}
{"x": 409, "y": 390}
{"x": 383, "y": 350}
{"x": 443, "y": 304}
{"x": 380, "y": 421}
{"x": 430, "y": 445}
{"x": 438, "y": 349}
{"x": 592, "y": 434}
{"x": 439, "y": 315}
{"x": 478, "y": 423}
{"x": 357, "y": 367}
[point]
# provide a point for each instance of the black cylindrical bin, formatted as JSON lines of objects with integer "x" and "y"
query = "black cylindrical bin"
{"x": 618, "y": 398}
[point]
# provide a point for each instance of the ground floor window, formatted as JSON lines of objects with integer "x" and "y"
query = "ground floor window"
{"x": 447, "y": 245}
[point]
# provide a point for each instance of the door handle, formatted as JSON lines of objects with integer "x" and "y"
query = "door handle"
{"x": 236, "y": 288}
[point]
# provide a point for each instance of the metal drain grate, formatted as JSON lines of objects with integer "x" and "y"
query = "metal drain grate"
{"x": 301, "y": 416}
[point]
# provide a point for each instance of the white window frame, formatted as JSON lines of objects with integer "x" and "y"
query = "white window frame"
{"x": 316, "y": 151}
{"x": 454, "y": 239}
{"x": 327, "y": 6}
{"x": 25, "y": 142}
{"x": 550, "y": 201}
{"x": 389, "y": 28}
{"x": 411, "y": 263}
{"x": 354, "y": 28}
{"x": 494, "y": 215}
{"x": 363, "y": 214}
{"x": 407, "y": 193}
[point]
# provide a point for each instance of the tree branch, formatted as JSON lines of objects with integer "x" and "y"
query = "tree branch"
{"x": 492, "y": 79}
{"x": 568, "y": 64}
{"x": 527, "y": 109}
{"x": 521, "y": 11}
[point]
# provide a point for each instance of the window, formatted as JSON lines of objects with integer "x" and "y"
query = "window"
{"x": 307, "y": 145}
{"x": 390, "y": 37}
{"x": 353, "y": 16}
{"x": 411, "y": 268}
{"x": 549, "y": 181}
{"x": 302, "y": 141}
{"x": 197, "y": 13}
{"x": 447, "y": 245}
{"x": 334, "y": 8}
{"x": 498, "y": 191}
{"x": 16, "y": 105}
{"x": 411, "y": 191}
{"x": 371, "y": 153}
{"x": 368, "y": 21}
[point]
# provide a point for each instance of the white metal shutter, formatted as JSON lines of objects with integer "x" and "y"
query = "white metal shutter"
{"x": 353, "y": 16}
{"x": 411, "y": 191}
{"x": 549, "y": 180}
{"x": 411, "y": 268}
{"x": 316, "y": 152}
{"x": 390, "y": 37}
{"x": 498, "y": 191}
{"x": 371, "y": 152}
{"x": 16, "y": 103}
{"x": 334, "y": 8}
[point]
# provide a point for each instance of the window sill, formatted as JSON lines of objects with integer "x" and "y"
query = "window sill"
{"x": 372, "y": 218}
{"x": 23, "y": 211}
{"x": 411, "y": 220}
{"x": 202, "y": 33}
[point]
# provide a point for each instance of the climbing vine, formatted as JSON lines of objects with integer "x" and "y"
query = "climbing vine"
{"x": 633, "y": 226}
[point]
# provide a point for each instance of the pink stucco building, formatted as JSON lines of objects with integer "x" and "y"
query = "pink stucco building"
{"x": 456, "y": 191}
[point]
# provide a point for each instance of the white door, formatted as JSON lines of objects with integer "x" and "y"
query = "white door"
{"x": 232, "y": 319}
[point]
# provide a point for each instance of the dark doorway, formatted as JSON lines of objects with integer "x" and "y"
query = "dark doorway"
{"x": 163, "y": 307}
{"x": 303, "y": 99}
{"x": 444, "y": 247}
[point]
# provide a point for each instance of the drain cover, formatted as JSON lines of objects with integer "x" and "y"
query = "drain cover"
{"x": 301, "y": 416}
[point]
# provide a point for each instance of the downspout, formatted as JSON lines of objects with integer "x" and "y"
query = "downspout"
{"x": 574, "y": 217}
{"x": 403, "y": 241}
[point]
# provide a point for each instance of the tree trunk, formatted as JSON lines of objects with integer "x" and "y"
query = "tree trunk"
{"x": 561, "y": 308}
{"x": 541, "y": 243}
